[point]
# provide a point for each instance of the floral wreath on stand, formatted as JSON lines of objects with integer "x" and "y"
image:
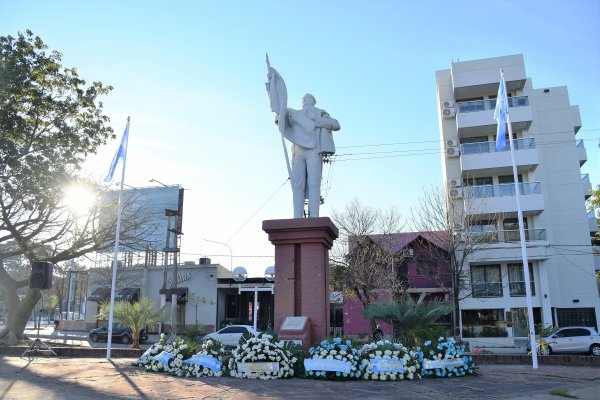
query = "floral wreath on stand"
{"x": 385, "y": 360}
{"x": 210, "y": 361}
{"x": 262, "y": 357}
{"x": 152, "y": 351}
{"x": 335, "y": 360}
{"x": 171, "y": 358}
{"x": 443, "y": 358}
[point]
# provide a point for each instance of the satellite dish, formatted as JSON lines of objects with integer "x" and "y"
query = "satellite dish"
{"x": 270, "y": 273}
{"x": 240, "y": 274}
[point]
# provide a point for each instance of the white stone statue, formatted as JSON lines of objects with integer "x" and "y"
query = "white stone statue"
{"x": 310, "y": 131}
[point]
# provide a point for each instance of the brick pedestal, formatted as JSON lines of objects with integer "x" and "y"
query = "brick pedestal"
{"x": 302, "y": 270}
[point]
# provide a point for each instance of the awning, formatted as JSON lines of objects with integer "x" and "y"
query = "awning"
{"x": 181, "y": 294}
{"x": 99, "y": 294}
{"x": 128, "y": 294}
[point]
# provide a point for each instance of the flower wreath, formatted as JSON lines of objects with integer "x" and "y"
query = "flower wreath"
{"x": 210, "y": 361}
{"x": 333, "y": 361}
{"x": 152, "y": 351}
{"x": 261, "y": 357}
{"x": 384, "y": 360}
{"x": 171, "y": 358}
{"x": 443, "y": 358}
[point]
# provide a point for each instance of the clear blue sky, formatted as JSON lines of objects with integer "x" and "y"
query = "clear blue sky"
{"x": 191, "y": 76}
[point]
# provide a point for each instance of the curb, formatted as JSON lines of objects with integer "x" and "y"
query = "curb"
{"x": 83, "y": 352}
{"x": 563, "y": 360}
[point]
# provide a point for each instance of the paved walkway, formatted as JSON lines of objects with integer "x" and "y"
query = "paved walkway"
{"x": 85, "y": 378}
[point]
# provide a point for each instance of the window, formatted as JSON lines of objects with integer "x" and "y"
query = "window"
{"x": 576, "y": 317}
{"x": 486, "y": 281}
{"x": 511, "y": 229}
{"x": 484, "y": 323}
{"x": 426, "y": 268}
{"x": 484, "y": 232}
{"x": 516, "y": 280}
{"x": 573, "y": 332}
{"x": 232, "y": 306}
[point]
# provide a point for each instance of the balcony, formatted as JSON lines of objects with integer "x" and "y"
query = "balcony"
{"x": 495, "y": 199}
{"x": 512, "y": 236}
{"x": 477, "y": 117}
{"x": 587, "y": 186}
{"x": 484, "y": 156}
{"x": 581, "y": 152}
{"x": 592, "y": 221}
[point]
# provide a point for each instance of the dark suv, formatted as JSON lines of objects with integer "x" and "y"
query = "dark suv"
{"x": 119, "y": 334}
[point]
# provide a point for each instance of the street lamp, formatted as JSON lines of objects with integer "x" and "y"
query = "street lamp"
{"x": 230, "y": 252}
{"x": 240, "y": 274}
{"x": 160, "y": 183}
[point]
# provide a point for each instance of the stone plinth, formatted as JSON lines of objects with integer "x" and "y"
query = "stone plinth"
{"x": 302, "y": 270}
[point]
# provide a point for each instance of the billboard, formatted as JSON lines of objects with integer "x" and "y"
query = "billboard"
{"x": 148, "y": 213}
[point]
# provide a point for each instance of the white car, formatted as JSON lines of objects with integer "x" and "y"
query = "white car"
{"x": 572, "y": 339}
{"x": 230, "y": 335}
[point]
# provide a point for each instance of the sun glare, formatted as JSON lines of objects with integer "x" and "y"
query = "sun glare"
{"x": 79, "y": 199}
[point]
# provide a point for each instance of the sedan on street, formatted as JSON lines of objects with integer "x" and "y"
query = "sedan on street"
{"x": 572, "y": 339}
{"x": 230, "y": 335}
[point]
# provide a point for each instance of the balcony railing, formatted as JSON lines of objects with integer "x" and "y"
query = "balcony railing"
{"x": 490, "y": 147}
{"x": 585, "y": 178}
{"x": 591, "y": 214}
{"x": 503, "y": 189}
{"x": 580, "y": 144}
{"x": 508, "y": 236}
{"x": 486, "y": 105}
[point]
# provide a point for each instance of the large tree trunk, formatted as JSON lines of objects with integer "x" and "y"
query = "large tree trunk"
{"x": 18, "y": 309}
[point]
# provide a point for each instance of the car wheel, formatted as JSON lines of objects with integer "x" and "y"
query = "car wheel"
{"x": 125, "y": 339}
{"x": 94, "y": 338}
{"x": 545, "y": 351}
{"x": 595, "y": 350}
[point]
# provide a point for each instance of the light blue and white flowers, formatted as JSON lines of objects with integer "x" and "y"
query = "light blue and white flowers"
{"x": 262, "y": 357}
{"x": 444, "y": 359}
{"x": 335, "y": 360}
{"x": 384, "y": 360}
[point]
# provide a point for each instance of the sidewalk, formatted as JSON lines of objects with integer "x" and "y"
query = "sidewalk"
{"x": 76, "y": 378}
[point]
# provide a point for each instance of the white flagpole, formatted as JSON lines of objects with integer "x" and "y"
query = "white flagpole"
{"x": 522, "y": 236}
{"x": 115, "y": 256}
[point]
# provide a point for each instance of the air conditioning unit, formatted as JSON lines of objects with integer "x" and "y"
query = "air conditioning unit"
{"x": 448, "y": 104}
{"x": 451, "y": 142}
{"x": 456, "y": 193}
{"x": 449, "y": 112}
{"x": 452, "y": 152}
{"x": 453, "y": 183}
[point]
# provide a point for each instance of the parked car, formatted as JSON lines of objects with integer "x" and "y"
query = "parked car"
{"x": 119, "y": 334}
{"x": 230, "y": 335}
{"x": 572, "y": 339}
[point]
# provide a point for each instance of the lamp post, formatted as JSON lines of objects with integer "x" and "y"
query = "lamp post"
{"x": 240, "y": 274}
{"x": 230, "y": 253}
{"x": 160, "y": 183}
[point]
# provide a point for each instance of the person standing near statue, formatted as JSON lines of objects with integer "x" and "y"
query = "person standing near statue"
{"x": 310, "y": 131}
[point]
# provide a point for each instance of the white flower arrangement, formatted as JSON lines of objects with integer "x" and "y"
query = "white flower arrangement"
{"x": 210, "y": 361}
{"x": 146, "y": 358}
{"x": 335, "y": 360}
{"x": 170, "y": 359}
{"x": 385, "y": 360}
{"x": 444, "y": 359}
{"x": 262, "y": 357}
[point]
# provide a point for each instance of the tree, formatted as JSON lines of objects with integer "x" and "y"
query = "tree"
{"x": 50, "y": 120}
{"x": 453, "y": 225}
{"x": 593, "y": 204}
{"x": 361, "y": 262}
{"x": 407, "y": 315}
{"x": 197, "y": 301}
{"x": 135, "y": 316}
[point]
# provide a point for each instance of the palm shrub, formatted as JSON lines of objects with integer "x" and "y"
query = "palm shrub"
{"x": 407, "y": 315}
{"x": 135, "y": 316}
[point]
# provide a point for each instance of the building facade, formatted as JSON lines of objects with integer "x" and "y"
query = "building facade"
{"x": 479, "y": 179}
{"x": 207, "y": 294}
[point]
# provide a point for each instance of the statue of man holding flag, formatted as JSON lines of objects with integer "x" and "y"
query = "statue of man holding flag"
{"x": 310, "y": 131}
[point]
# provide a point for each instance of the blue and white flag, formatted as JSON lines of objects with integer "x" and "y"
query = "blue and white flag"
{"x": 500, "y": 114}
{"x": 121, "y": 154}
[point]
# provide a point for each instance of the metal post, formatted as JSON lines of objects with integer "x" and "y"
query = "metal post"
{"x": 69, "y": 294}
{"x": 255, "y": 306}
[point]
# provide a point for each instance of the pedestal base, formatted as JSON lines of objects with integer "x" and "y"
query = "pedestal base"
{"x": 302, "y": 270}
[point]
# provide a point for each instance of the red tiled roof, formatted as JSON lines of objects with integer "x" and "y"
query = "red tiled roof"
{"x": 398, "y": 241}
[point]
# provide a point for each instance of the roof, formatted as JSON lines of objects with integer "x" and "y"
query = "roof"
{"x": 398, "y": 241}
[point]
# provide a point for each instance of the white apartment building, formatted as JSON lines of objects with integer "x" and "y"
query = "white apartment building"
{"x": 557, "y": 227}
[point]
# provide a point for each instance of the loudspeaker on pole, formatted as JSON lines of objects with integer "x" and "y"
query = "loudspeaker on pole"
{"x": 41, "y": 275}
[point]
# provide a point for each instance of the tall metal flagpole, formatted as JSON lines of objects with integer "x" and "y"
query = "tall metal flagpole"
{"x": 522, "y": 235}
{"x": 115, "y": 257}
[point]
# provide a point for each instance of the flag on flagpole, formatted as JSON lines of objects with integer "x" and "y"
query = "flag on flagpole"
{"x": 119, "y": 155}
{"x": 500, "y": 114}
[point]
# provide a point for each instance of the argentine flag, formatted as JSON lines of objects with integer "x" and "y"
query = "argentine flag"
{"x": 500, "y": 114}
{"x": 121, "y": 154}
